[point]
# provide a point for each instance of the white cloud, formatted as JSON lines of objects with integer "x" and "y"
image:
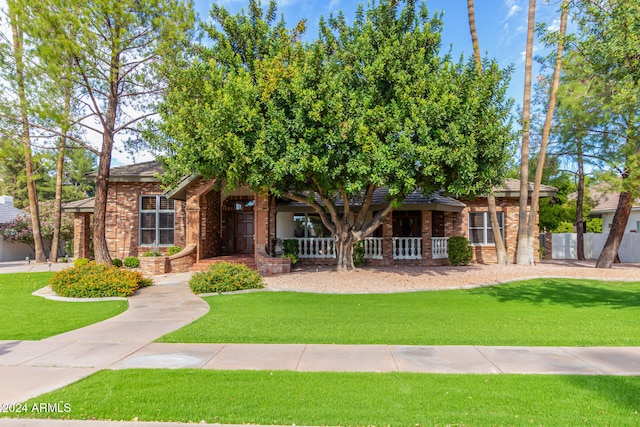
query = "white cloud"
{"x": 513, "y": 8}
{"x": 523, "y": 54}
{"x": 334, "y": 4}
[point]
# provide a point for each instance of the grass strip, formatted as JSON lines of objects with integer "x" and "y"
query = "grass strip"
{"x": 540, "y": 312}
{"x": 27, "y": 317}
{"x": 348, "y": 399}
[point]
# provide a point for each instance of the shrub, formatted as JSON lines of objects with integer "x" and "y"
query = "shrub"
{"x": 151, "y": 253}
{"x": 116, "y": 262}
{"x": 358, "y": 253}
{"x": 460, "y": 253}
{"x": 80, "y": 262}
{"x": 225, "y": 277}
{"x": 93, "y": 280}
{"x": 68, "y": 248}
{"x": 173, "y": 250}
{"x": 291, "y": 249}
{"x": 131, "y": 262}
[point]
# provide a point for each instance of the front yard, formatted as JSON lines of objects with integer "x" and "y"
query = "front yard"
{"x": 28, "y": 317}
{"x": 540, "y": 312}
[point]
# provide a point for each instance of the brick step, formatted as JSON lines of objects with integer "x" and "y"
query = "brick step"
{"x": 204, "y": 264}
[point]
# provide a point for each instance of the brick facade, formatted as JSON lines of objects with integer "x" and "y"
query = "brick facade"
{"x": 204, "y": 222}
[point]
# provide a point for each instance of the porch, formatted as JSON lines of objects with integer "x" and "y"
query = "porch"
{"x": 402, "y": 248}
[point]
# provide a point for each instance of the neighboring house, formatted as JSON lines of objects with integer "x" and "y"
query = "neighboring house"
{"x": 11, "y": 251}
{"x": 606, "y": 208}
{"x": 209, "y": 223}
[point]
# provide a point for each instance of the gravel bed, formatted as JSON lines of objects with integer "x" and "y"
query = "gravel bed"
{"x": 402, "y": 278}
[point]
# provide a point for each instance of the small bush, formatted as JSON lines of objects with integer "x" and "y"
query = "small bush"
{"x": 80, "y": 262}
{"x": 173, "y": 250}
{"x": 116, "y": 262}
{"x": 460, "y": 253}
{"x": 225, "y": 277}
{"x": 68, "y": 248}
{"x": 93, "y": 280}
{"x": 358, "y": 253}
{"x": 131, "y": 262}
{"x": 291, "y": 250}
{"x": 151, "y": 253}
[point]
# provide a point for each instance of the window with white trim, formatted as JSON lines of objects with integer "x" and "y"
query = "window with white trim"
{"x": 480, "y": 232}
{"x": 156, "y": 220}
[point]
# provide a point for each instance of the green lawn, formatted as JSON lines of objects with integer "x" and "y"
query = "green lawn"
{"x": 27, "y": 317}
{"x": 540, "y": 312}
{"x": 397, "y": 399}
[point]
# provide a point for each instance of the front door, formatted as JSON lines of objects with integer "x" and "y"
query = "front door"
{"x": 243, "y": 233}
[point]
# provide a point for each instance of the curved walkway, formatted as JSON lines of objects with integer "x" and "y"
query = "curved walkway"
{"x": 30, "y": 368}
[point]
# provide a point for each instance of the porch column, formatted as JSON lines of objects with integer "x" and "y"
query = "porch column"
{"x": 387, "y": 240}
{"x": 82, "y": 235}
{"x": 261, "y": 222}
{"x": 427, "y": 252}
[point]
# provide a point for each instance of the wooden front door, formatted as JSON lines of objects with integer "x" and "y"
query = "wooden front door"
{"x": 243, "y": 233}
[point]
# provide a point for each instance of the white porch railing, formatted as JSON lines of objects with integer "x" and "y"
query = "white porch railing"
{"x": 373, "y": 247}
{"x": 407, "y": 248}
{"x": 439, "y": 247}
{"x": 316, "y": 247}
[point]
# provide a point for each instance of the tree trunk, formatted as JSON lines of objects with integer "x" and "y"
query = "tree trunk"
{"x": 57, "y": 204}
{"x": 579, "y": 203}
{"x": 26, "y": 139}
{"x": 619, "y": 224}
{"x": 501, "y": 253}
{"x": 525, "y": 242}
{"x": 100, "y": 248}
{"x": 344, "y": 253}
{"x": 546, "y": 130}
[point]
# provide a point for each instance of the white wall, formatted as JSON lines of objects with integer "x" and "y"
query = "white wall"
{"x": 284, "y": 225}
{"x": 10, "y": 251}
{"x": 564, "y": 246}
{"x": 632, "y": 224}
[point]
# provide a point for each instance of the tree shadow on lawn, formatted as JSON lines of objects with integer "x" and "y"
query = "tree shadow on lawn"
{"x": 576, "y": 293}
{"x": 620, "y": 390}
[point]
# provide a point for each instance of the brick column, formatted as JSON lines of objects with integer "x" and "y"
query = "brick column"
{"x": 81, "y": 235}
{"x": 387, "y": 240}
{"x": 426, "y": 231}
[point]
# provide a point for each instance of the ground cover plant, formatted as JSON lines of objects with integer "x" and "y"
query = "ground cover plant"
{"x": 349, "y": 399}
{"x": 28, "y": 317}
{"x": 93, "y": 280}
{"x": 540, "y": 312}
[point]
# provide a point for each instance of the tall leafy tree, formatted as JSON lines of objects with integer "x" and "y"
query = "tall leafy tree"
{"x": 608, "y": 40}
{"x": 368, "y": 105}
{"x": 116, "y": 49}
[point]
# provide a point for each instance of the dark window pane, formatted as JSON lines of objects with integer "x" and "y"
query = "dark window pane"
{"x": 147, "y": 237}
{"x": 166, "y": 220}
{"x": 476, "y": 219}
{"x": 148, "y": 203}
{"x": 166, "y": 204}
{"x": 166, "y": 237}
{"x": 476, "y": 236}
{"x": 147, "y": 220}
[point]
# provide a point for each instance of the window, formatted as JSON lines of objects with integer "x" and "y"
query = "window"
{"x": 480, "y": 232}
{"x": 156, "y": 220}
{"x": 406, "y": 223}
{"x": 309, "y": 225}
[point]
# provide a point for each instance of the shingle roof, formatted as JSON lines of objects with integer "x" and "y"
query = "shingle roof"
{"x": 609, "y": 203}
{"x": 511, "y": 188}
{"x": 8, "y": 213}
{"x": 139, "y": 172}
{"x": 85, "y": 205}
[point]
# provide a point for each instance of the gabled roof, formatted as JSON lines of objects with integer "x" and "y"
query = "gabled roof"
{"x": 139, "y": 172}
{"x": 9, "y": 213}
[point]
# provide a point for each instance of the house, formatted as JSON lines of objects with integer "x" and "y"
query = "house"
{"x": 12, "y": 251}
{"x": 208, "y": 223}
{"x": 606, "y": 208}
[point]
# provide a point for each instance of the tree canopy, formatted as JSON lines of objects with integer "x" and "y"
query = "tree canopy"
{"x": 367, "y": 105}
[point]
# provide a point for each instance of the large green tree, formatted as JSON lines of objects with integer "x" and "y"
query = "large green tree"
{"x": 115, "y": 49}
{"x": 368, "y": 105}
